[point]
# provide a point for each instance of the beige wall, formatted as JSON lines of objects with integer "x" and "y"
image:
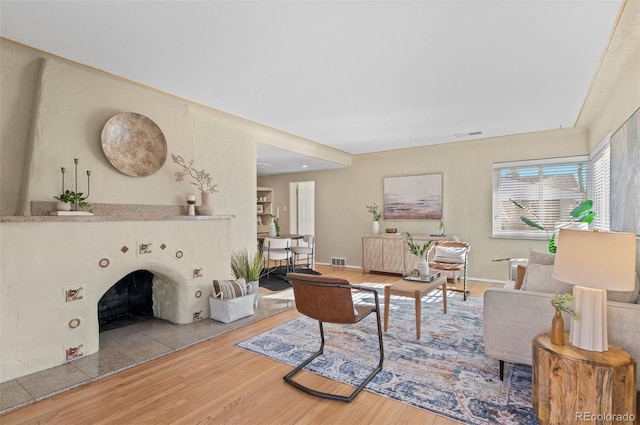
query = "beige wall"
{"x": 341, "y": 195}
{"x": 53, "y": 111}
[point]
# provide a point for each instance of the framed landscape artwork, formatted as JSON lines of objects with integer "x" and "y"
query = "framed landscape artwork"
{"x": 413, "y": 197}
{"x": 625, "y": 176}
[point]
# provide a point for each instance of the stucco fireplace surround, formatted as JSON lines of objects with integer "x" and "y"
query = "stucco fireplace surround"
{"x": 55, "y": 270}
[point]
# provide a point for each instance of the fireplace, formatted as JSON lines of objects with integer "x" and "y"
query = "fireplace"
{"x": 128, "y": 301}
{"x": 51, "y": 292}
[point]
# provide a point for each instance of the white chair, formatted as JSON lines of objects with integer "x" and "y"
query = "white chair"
{"x": 307, "y": 250}
{"x": 276, "y": 250}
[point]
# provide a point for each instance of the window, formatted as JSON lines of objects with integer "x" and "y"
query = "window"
{"x": 549, "y": 188}
{"x": 599, "y": 187}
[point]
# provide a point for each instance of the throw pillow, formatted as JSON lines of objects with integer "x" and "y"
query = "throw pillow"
{"x": 538, "y": 278}
{"x": 226, "y": 289}
{"x": 520, "y": 273}
{"x": 445, "y": 254}
{"x": 541, "y": 257}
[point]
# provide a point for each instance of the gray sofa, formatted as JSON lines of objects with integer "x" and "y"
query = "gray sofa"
{"x": 512, "y": 318}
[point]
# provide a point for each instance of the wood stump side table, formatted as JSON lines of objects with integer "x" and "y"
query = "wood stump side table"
{"x": 574, "y": 386}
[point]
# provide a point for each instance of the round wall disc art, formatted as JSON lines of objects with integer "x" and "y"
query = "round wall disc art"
{"x": 134, "y": 144}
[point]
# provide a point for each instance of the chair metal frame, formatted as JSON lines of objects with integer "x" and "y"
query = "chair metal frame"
{"x": 453, "y": 266}
{"x": 308, "y": 250}
{"x": 298, "y": 279}
{"x": 282, "y": 247}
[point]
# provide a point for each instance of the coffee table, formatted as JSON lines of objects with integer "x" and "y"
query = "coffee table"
{"x": 415, "y": 290}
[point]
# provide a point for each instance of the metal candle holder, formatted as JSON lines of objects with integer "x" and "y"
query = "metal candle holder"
{"x": 75, "y": 188}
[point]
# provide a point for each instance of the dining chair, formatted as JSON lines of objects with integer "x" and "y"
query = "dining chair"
{"x": 306, "y": 250}
{"x": 276, "y": 249}
{"x": 329, "y": 300}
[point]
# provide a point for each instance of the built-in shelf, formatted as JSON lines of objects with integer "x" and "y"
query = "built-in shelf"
{"x": 264, "y": 203}
{"x": 112, "y": 212}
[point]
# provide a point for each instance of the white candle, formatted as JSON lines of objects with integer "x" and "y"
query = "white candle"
{"x": 278, "y": 213}
{"x": 191, "y": 197}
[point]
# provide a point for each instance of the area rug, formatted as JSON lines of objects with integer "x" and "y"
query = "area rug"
{"x": 277, "y": 280}
{"x": 445, "y": 372}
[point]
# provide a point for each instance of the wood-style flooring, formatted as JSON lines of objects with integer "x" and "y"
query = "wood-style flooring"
{"x": 215, "y": 383}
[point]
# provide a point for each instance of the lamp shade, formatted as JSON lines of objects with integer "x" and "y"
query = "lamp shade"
{"x": 605, "y": 260}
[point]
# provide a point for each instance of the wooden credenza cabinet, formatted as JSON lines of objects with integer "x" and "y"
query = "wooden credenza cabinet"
{"x": 389, "y": 252}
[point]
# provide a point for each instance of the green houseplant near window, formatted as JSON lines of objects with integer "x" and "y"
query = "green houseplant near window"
{"x": 583, "y": 213}
{"x": 247, "y": 266}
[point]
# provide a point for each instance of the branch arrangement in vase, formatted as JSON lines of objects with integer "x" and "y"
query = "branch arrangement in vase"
{"x": 203, "y": 180}
{"x": 559, "y": 302}
{"x": 416, "y": 248}
{"x": 373, "y": 209}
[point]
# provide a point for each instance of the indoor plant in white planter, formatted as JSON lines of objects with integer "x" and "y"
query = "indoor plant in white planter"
{"x": 247, "y": 266}
{"x": 373, "y": 209}
{"x": 421, "y": 252}
{"x": 69, "y": 200}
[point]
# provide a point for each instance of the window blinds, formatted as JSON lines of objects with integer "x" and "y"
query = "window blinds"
{"x": 600, "y": 187}
{"x": 549, "y": 189}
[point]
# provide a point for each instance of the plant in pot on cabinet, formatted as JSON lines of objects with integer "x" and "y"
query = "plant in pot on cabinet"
{"x": 203, "y": 181}
{"x": 559, "y": 302}
{"x": 421, "y": 251}
{"x": 373, "y": 209}
{"x": 247, "y": 266}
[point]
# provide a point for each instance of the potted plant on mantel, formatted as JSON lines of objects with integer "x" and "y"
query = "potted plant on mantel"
{"x": 421, "y": 252}
{"x": 203, "y": 181}
{"x": 69, "y": 200}
{"x": 247, "y": 266}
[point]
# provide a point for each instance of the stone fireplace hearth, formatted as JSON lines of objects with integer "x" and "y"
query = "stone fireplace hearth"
{"x": 55, "y": 271}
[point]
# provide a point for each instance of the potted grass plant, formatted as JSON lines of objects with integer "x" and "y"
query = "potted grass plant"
{"x": 248, "y": 266}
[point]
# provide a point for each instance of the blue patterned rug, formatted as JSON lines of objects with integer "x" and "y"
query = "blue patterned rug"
{"x": 445, "y": 372}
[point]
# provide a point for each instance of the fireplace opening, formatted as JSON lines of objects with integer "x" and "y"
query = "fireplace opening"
{"x": 128, "y": 301}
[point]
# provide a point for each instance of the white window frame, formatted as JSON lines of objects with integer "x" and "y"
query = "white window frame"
{"x": 531, "y": 190}
{"x": 599, "y": 189}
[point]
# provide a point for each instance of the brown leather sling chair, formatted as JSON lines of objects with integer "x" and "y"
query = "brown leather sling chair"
{"x": 328, "y": 299}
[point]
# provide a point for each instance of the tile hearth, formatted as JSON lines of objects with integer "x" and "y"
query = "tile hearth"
{"x": 121, "y": 349}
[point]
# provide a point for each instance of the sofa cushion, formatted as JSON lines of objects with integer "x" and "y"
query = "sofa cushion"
{"x": 541, "y": 257}
{"x": 538, "y": 278}
{"x": 227, "y": 289}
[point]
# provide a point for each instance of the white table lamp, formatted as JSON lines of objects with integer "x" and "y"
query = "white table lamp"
{"x": 594, "y": 262}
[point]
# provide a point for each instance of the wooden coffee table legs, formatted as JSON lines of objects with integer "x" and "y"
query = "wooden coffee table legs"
{"x": 415, "y": 290}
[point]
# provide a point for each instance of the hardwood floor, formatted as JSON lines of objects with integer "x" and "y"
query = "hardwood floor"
{"x": 215, "y": 383}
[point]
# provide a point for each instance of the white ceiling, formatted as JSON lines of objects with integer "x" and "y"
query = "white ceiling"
{"x": 359, "y": 76}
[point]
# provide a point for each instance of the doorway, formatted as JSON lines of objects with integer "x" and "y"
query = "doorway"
{"x": 302, "y": 200}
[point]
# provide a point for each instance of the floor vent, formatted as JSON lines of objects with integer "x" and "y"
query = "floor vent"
{"x": 339, "y": 262}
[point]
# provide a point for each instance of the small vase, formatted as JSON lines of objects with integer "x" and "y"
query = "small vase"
{"x": 375, "y": 228}
{"x": 423, "y": 267}
{"x": 557, "y": 329}
{"x": 63, "y": 206}
{"x": 207, "y": 204}
{"x": 272, "y": 230}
